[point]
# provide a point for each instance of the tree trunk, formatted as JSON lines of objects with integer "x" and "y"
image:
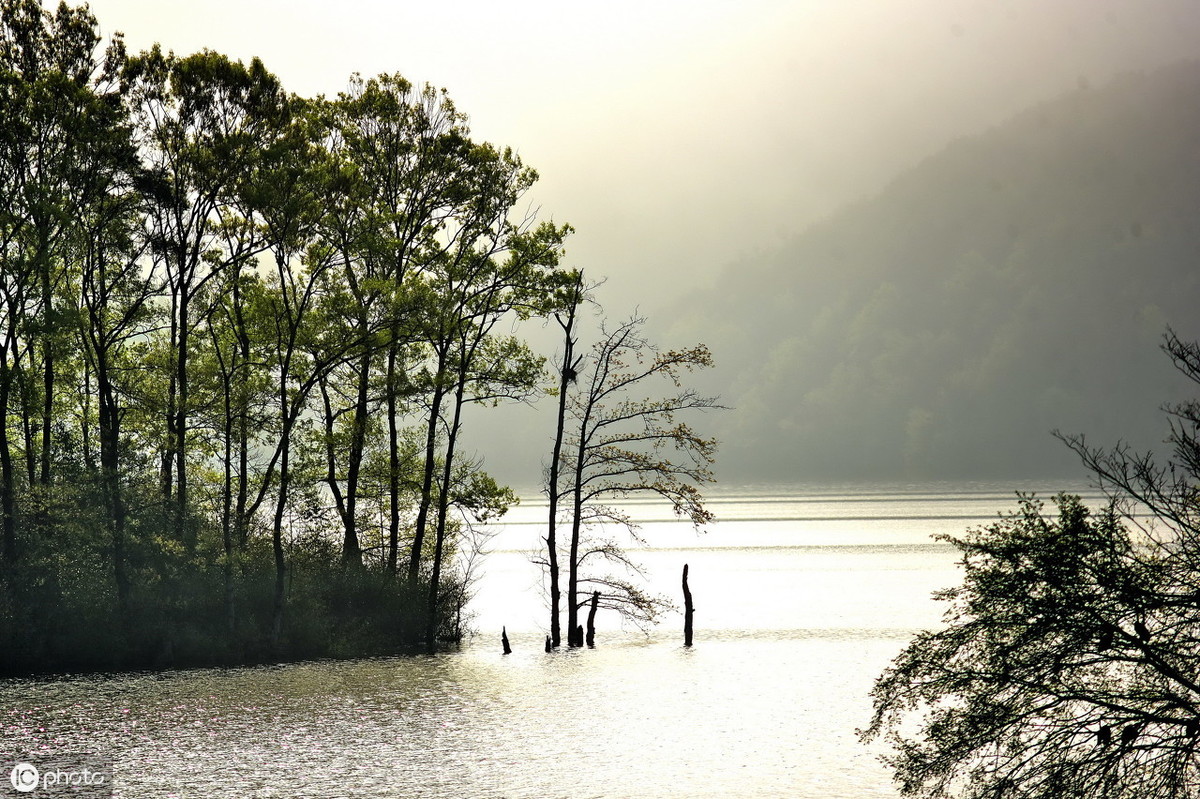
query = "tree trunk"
{"x": 27, "y": 401}
{"x": 167, "y": 479}
{"x": 393, "y": 463}
{"x": 85, "y": 420}
{"x": 351, "y": 550}
{"x": 591, "y": 621}
{"x": 227, "y": 492}
{"x": 242, "y": 524}
{"x": 110, "y": 441}
{"x": 443, "y": 505}
{"x": 277, "y": 547}
{"x": 439, "y": 393}
{"x": 566, "y": 376}
{"x": 7, "y": 478}
{"x": 47, "y": 411}
{"x": 185, "y": 530}
{"x": 687, "y": 609}
{"x": 47, "y": 369}
{"x": 576, "y": 529}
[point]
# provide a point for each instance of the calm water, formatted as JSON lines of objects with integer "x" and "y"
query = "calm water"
{"x": 802, "y": 597}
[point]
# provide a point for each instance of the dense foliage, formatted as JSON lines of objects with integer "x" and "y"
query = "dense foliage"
{"x": 1068, "y": 664}
{"x": 238, "y": 329}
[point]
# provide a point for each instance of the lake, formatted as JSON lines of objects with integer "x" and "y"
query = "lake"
{"x": 802, "y": 596}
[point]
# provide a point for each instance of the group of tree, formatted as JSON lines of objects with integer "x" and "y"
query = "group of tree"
{"x": 239, "y": 329}
{"x": 1068, "y": 664}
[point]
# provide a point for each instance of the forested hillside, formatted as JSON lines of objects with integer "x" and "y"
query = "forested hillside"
{"x": 1016, "y": 282}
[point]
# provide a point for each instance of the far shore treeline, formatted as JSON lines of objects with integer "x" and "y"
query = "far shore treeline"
{"x": 238, "y": 329}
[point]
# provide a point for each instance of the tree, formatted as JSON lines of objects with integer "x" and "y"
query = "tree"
{"x": 115, "y": 308}
{"x": 491, "y": 267}
{"x": 239, "y": 334}
{"x": 1068, "y": 664}
{"x": 621, "y": 444}
{"x": 401, "y": 152}
{"x": 566, "y": 319}
{"x": 283, "y": 197}
{"x": 198, "y": 122}
{"x": 62, "y": 139}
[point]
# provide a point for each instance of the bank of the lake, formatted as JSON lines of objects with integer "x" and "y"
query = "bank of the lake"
{"x": 802, "y": 598}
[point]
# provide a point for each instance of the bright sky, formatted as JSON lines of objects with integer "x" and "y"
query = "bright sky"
{"x": 680, "y": 135}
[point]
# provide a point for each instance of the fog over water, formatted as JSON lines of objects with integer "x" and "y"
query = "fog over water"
{"x": 917, "y": 236}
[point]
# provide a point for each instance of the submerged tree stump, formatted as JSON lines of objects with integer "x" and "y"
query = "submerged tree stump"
{"x": 504, "y": 640}
{"x": 549, "y": 644}
{"x": 687, "y": 609}
{"x": 591, "y": 623}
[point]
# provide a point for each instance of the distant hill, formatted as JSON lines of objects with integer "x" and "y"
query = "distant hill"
{"x": 1016, "y": 282}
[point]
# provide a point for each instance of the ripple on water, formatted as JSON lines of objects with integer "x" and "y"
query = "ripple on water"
{"x": 738, "y": 715}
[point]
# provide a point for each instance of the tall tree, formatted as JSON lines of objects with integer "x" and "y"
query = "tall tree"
{"x": 243, "y": 385}
{"x": 493, "y": 266}
{"x": 285, "y": 195}
{"x": 567, "y": 374}
{"x": 625, "y": 443}
{"x": 498, "y": 268}
{"x": 116, "y": 297}
{"x": 399, "y": 151}
{"x": 289, "y": 193}
{"x": 198, "y": 120}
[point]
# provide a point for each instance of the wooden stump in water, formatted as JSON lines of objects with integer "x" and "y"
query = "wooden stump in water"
{"x": 687, "y": 609}
{"x": 549, "y": 644}
{"x": 504, "y": 640}
{"x": 591, "y": 628}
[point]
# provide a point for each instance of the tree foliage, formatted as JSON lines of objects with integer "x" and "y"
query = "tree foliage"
{"x": 1068, "y": 663}
{"x": 238, "y": 332}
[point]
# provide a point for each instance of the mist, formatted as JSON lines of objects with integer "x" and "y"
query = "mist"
{"x": 690, "y": 144}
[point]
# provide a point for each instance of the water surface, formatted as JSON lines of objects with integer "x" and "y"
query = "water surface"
{"x": 802, "y": 598}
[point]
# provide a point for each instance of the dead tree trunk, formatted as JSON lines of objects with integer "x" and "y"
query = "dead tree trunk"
{"x": 591, "y": 623}
{"x": 687, "y": 609}
{"x": 567, "y": 376}
{"x": 504, "y": 640}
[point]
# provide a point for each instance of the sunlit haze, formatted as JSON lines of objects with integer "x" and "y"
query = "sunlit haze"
{"x": 688, "y": 143}
{"x": 339, "y": 457}
{"x": 676, "y": 135}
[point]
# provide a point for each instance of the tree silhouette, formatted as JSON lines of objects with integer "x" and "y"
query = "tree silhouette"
{"x": 1068, "y": 665}
{"x": 626, "y": 439}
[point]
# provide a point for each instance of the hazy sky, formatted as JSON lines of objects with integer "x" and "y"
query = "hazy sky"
{"x": 679, "y": 135}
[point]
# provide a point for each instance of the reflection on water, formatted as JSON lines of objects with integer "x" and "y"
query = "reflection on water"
{"x": 795, "y": 617}
{"x": 744, "y": 716}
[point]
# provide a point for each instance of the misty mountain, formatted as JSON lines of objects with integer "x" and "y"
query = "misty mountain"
{"x": 1018, "y": 281}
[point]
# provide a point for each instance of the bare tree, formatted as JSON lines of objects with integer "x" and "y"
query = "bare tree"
{"x": 567, "y": 320}
{"x": 625, "y": 439}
